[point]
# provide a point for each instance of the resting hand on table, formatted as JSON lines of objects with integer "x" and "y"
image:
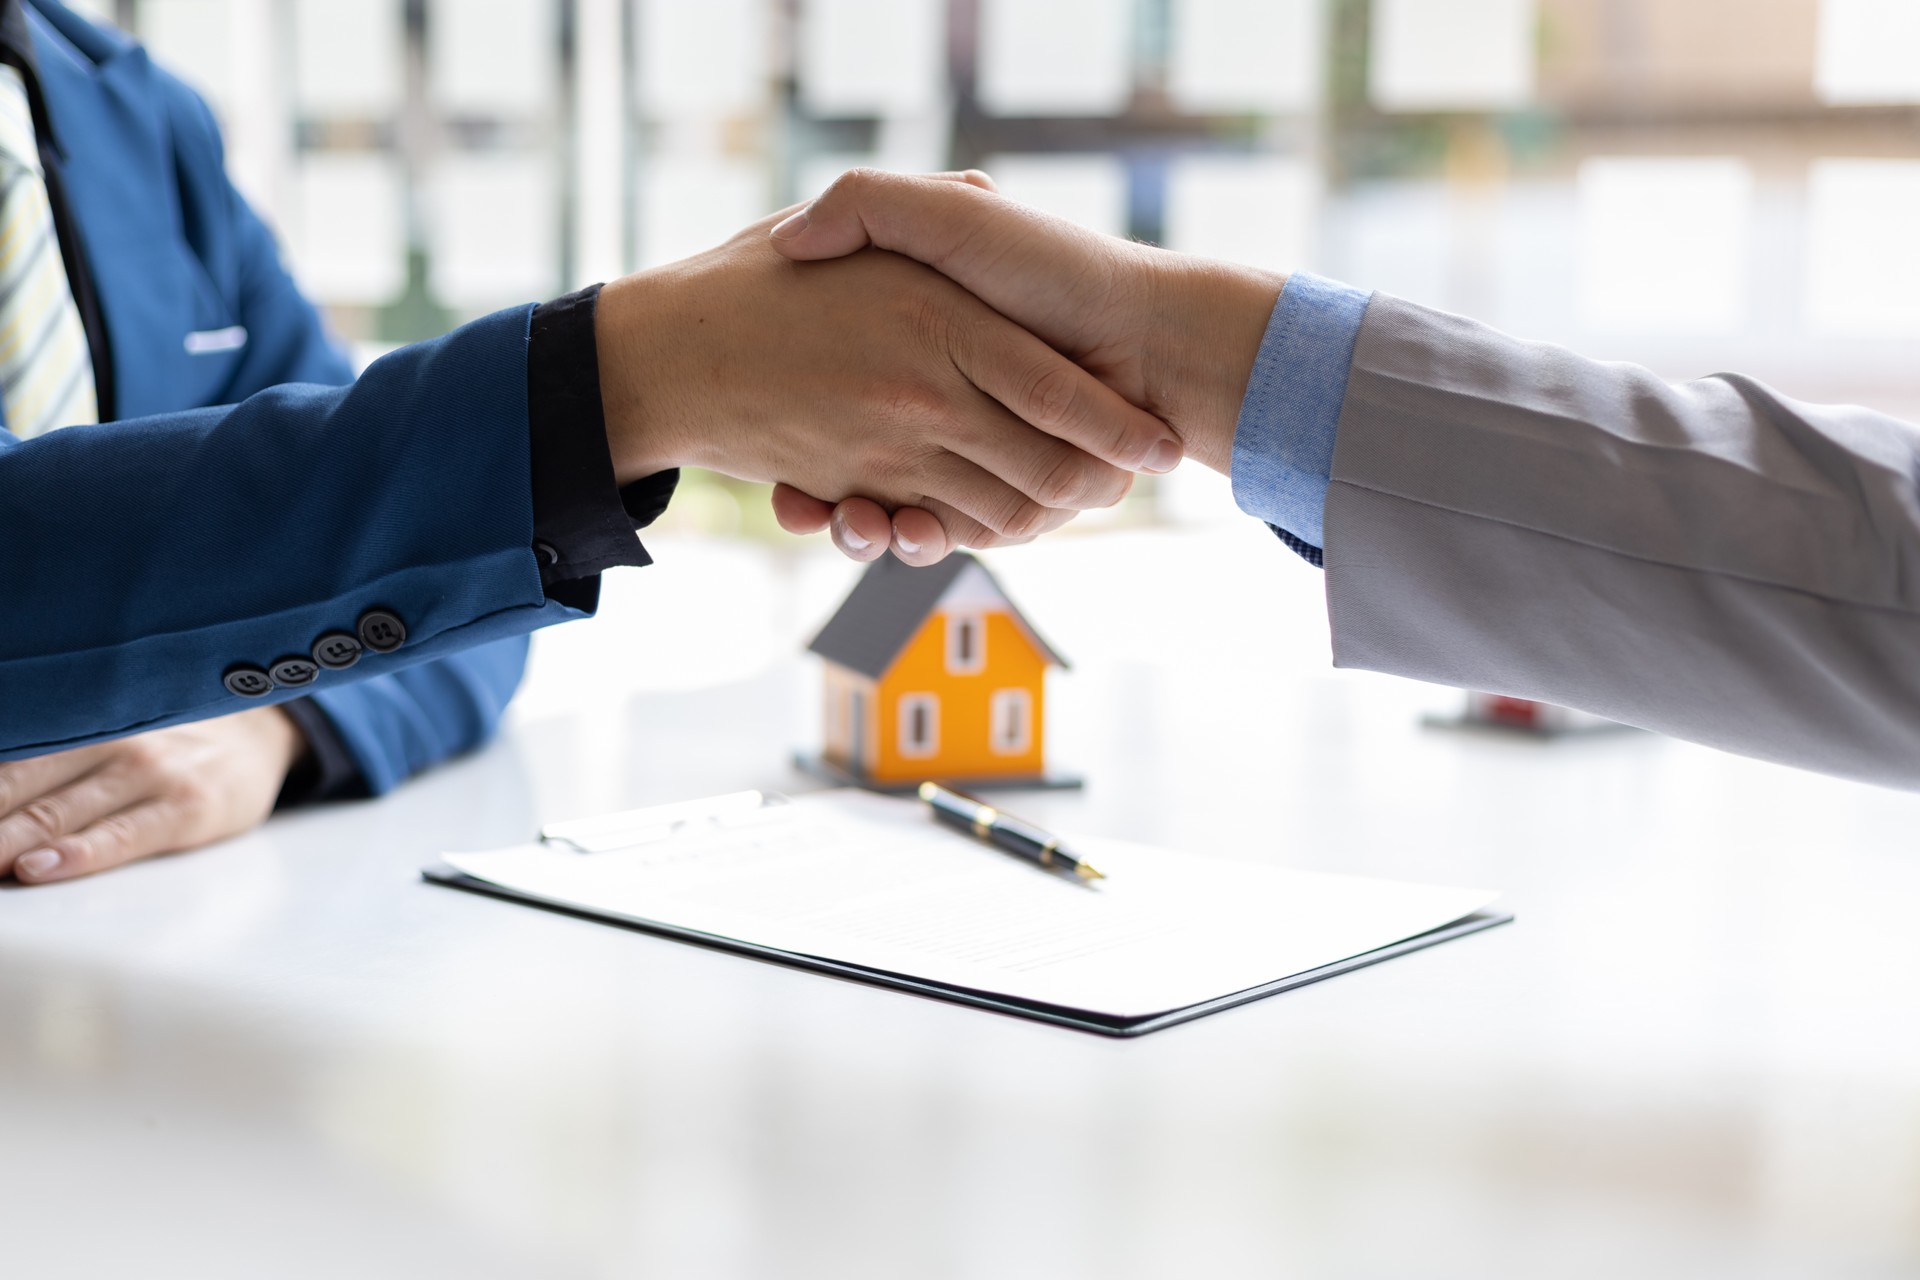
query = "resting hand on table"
{"x": 872, "y": 375}
{"x": 81, "y": 811}
{"x": 1172, "y": 334}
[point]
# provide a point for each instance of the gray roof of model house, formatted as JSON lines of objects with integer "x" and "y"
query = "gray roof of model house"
{"x": 888, "y": 606}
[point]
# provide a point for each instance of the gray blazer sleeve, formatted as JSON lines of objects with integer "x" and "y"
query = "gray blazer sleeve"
{"x": 1710, "y": 559}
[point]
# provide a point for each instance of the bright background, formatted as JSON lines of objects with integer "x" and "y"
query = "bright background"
{"x": 1694, "y": 184}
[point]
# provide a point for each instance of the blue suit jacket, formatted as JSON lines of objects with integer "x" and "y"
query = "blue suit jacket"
{"x": 245, "y": 502}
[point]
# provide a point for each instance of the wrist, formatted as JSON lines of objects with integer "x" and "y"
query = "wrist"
{"x": 1201, "y": 357}
{"x": 632, "y": 335}
{"x": 280, "y": 738}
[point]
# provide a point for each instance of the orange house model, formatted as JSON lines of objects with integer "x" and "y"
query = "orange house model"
{"x": 933, "y": 673}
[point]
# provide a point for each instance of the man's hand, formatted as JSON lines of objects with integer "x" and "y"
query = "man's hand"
{"x": 97, "y": 807}
{"x": 1173, "y": 334}
{"x": 870, "y": 376}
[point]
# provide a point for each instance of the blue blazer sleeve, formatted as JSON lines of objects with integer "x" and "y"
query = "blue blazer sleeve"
{"x": 139, "y": 560}
{"x": 393, "y": 725}
{"x": 143, "y": 558}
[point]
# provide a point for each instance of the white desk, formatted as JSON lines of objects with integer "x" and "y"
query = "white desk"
{"x": 1697, "y": 1054}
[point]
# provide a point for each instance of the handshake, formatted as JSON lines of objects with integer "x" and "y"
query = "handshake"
{"x": 966, "y": 371}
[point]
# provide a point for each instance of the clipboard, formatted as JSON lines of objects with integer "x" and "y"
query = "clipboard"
{"x": 1056, "y": 1015}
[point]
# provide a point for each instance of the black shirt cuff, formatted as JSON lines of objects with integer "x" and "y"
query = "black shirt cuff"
{"x": 583, "y": 522}
{"x": 328, "y": 771}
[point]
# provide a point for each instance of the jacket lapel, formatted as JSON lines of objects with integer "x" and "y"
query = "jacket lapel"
{"x": 121, "y": 186}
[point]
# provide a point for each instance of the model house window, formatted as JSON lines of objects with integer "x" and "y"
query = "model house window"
{"x": 919, "y": 724}
{"x": 1011, "y": 722}
{"x": 966, "y": 644}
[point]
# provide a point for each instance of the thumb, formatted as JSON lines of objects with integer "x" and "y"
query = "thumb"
{"x": 833, "y": 225}
{"x": 1046, "y": 274}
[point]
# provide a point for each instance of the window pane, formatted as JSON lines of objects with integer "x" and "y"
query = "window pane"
{"x": 1863, "y": 259}
{"x": 692, "y": 203}
{"x": 1252, "y": 210}
{"x": 704, "y": 58}
{"x": 495, "y": 219}
{"x": 872, "y": 57}
{"x": 1064, "y": 57}
{"x": 347, "y": 57}
{"x": 346, "y": 231}
{"x": 193, "y": 39}
{"x": 1245, "y": 55}
{"x": 1088, "y": 189}
{"x": 1458, "y": 55}
{"x": 1010, "y": 723}
{"x": 1869, "y": 51}
{"x": 1663, "y": 243}
{"x": 494, "y": 59}
{"x": 919, "y": 725}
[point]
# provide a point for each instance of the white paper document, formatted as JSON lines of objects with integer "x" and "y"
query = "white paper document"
{"x": 873, "y": 882}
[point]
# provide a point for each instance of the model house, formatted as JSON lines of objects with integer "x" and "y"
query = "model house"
{"x": 933, "y": 673}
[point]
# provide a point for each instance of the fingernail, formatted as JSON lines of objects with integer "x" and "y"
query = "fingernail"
{"x": 1163, "y": 457}
{"x": 905, "y": 543}
{"x": 39, "y": 863}
{"x": 788, "y": 228}
{"x": 844, "y": 535}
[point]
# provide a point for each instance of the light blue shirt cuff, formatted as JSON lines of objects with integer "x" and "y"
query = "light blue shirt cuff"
{"x": 1283, "y": 443}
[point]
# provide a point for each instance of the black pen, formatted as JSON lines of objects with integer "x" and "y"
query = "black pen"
{"x": 984, "y": 822}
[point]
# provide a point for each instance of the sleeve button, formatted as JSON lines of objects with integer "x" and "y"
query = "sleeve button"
{"x": 291, "y": 673}
{"x": 382, "y": 631}
{"x": 336, "y": 650}
{"x": 247, "y": 682}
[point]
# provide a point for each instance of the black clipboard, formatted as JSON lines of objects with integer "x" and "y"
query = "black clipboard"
{"x": 1077, "y": 1019}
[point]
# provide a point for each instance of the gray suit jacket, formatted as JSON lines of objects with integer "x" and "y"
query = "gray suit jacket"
{"x": 1709, "y": 559}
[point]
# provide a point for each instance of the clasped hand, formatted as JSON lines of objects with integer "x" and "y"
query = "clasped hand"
{"x": 1175, "y": 335}
{"x": 871, "y": 376}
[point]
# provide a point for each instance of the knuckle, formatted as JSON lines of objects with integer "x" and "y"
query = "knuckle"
{"x": 77, "y": 854}
{"x": 1026, "y": 519}
{"x": 49, "y": 813}
{"x": 906, "y": 400}
{"x": 90, "y": 850}
{"x": 142, "y": 755}
{"x": 1064, "y": 483}
{"x": 853, "y": 181}
{"x": 1051, "y": 396}
{"x": 190, "y": 796}
{"x": 890, "y": 470}
{"x": 926, "y": 315}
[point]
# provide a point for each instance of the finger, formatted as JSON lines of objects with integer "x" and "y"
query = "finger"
{"x": 948, "y": 477}
{"x": 139, "y": 831}
{"x": 963, "y": 532}
{"x": 926, "y": 535}
{"x": 25, "y": 780}
{"x": 919, "y": 537}
{"x": 1042, "y": 387}
{"x": 1053, "y": 474}
{"x": 798, "y": 512}
{"x": 862, "y": 529}
{"x": 793, "y": 221}
{"x": 64, "y": 810}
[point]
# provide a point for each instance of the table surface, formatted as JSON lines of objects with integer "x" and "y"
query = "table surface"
{"x": 1696, "y": 1054}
